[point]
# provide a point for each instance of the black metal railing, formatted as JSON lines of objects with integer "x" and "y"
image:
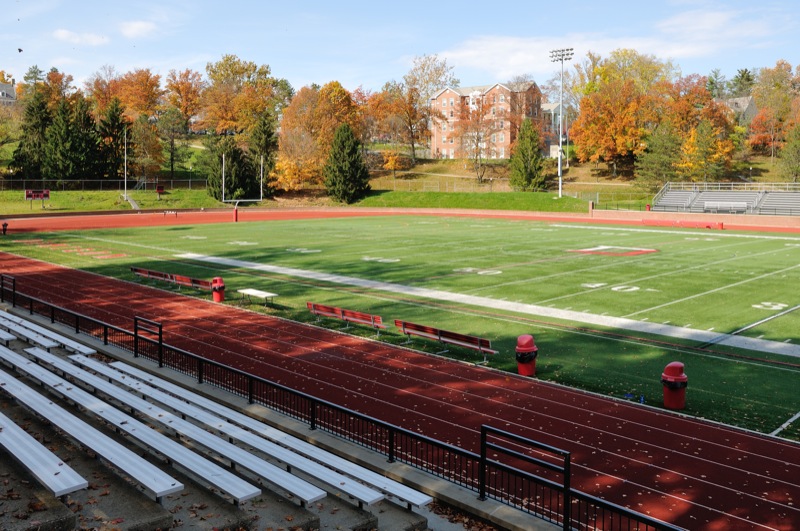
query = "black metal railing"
{"x": 522, "y": 489}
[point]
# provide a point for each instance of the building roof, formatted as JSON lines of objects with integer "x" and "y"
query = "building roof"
{"x": 483, "y": 89}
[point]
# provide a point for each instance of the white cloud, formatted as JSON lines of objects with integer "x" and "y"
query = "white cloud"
{"x": 137, "y": 28}
{"x": 71, "y": 37}
{"x": 713, "y": 34}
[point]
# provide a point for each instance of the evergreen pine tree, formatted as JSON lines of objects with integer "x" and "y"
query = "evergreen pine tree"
{"x": 657, "y": 165}
{"x": 85, "y": 140}
{"x": 112, "y": 131}
{"x": 526, "y": 164}
{"x": 264, "y": 147}
{"x": 346, "y": 175}
{"x": 29, "y": 154}
{"x": 240, "y": 179}
{"x": 57, "y": 163}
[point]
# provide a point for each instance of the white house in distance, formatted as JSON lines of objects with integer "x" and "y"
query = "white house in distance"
{"x": 8, "y": 93}
{"x": 503, "y": 110}
{"x": 744, "y": 109}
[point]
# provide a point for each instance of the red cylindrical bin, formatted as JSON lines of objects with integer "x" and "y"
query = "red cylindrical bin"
{"x": 675, "y": 382}
{"x": 235, "y": 214}
{"x": 526, "y": 355}
{"x": 218, "y": 289}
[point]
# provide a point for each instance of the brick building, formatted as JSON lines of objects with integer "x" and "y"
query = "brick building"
{"x": 488, "y": 116}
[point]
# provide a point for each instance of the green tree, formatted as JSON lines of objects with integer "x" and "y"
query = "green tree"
{"x": 742, "y": 83}
{"x": 223, "y": 159}
{"x": 789, "y": 161}
{"x": 85, "y": 139}
{"x": 114, "y": 133}
{"x": 71, "y": 146}
{"x": 656, "y": 166}
{"x": 29, "y": 155}
{"x": 264, "y": 151}
{"x": 346, "y": 175}
{"x": 171, "y": 127}
{"x": 526, "y": 164}
{"x": 716, "y": 84}
{"x": 58, "y": 163}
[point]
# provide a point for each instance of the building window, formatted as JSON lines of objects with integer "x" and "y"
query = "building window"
{"x": 494, "y": 138}
{"x": 444, "y": 140}
{"x": 502, "y": 98}
{"x": 451, "y": 139}
{"x": 451, "y": 102}
{"x": 444, "y": 126}
{"x": 452, "y": 127}
{"x": 451, "y": 114}
{"x": 502, "y": 137}
{"x": 452, "y": 153}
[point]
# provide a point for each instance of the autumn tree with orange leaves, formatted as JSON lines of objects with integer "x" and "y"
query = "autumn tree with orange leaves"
{"x": 184, "y": 90}
{"x": 609, "y": 127}
{"x": 239, "y": 93}
{"x": 307, "y": 129}
{"x": 102, "y": 88}
{"x": 140, "y": 93}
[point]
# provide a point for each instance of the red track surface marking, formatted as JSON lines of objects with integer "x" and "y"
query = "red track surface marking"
{"x": 695, "y": 474}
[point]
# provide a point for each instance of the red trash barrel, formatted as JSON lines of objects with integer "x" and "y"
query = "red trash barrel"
{"x": 675, "y": 382}
{"x": 218, "y": 289}
{"x": 526, "y": 355}
{"x": 235, "y": 214}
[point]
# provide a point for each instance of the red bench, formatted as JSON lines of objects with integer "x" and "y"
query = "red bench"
{"x": 179, "y": 280}
{"x": 482, "y": 345}
{"x": 348, "y": 316}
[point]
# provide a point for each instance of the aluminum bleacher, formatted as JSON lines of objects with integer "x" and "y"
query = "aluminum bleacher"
{"x": 302, "y": 490}
{"x": 152, "y": 383}
{"x": 147, "y": 475}
{"x": 780, "y": 204}
{"x": 781, "y": 199}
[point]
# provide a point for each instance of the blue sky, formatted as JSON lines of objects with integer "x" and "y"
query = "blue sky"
{"x": 360, "y": 43}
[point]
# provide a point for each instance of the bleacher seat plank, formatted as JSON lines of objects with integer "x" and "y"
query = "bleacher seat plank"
{"x": 380, "y": 482}
{"x": 339, "y": 482}
{"x": 7, "y": 337}
{"x": 66, "y": 342}
{"x": 301, "y": 489}
{"x": 57, "y": 476}
{"x": 28, "y": 335}
{"x": 149, "y": 476}
{"x": 208, "y": 471}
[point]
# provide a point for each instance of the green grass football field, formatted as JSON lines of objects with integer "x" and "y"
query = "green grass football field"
{"x": 570, "y": 285}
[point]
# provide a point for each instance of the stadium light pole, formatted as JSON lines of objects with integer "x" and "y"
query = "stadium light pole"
{"x": 125, "y": 168}
{"x": 562, "y": 54}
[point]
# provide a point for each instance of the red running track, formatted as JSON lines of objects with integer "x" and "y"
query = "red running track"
{"x": 692, "y": 473}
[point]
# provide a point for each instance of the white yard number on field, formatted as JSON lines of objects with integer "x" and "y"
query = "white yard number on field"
{"x": 625, "y": 288}
{"x": 771, "y": 306}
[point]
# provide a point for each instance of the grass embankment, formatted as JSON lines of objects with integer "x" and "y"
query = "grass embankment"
{"x": 532, "y": 201}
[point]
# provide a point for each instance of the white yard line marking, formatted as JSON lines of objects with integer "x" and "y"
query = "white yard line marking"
{"x": 715, "y": 290}
{"x": 786, "y": 424}
{"x": 529, "y": 309}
